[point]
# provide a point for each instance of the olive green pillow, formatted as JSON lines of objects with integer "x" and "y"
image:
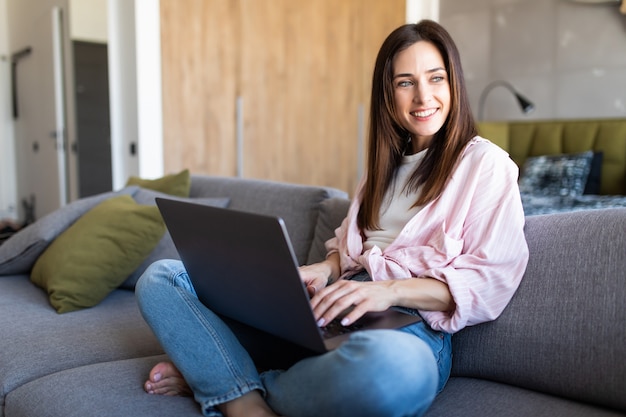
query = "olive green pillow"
{"x": 97, "y": 253}
{"x": 173, "y": 184}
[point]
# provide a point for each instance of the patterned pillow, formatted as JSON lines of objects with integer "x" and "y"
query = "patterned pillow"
{"x": 558, "y": 175}
{"x": 595, "y": 174}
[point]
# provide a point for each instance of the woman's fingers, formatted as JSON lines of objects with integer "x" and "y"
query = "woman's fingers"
{"x": 348, "y": 300}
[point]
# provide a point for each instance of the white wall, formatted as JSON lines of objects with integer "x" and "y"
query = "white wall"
{"x": 8, "y": 185}
{"x": 149, "y": 92}
{"x": 24, "y": 26}
{"x": 417, "y": 10}
{"x": 568, "y": 58}
{"x": 135, "y": 85}
{"x": 88, "y": 20}
{"x": 122, "y": 89}
{"x": 135, "y": 89}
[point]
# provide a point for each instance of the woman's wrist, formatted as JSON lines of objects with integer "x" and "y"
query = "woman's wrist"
{"x": 334, "y": 270}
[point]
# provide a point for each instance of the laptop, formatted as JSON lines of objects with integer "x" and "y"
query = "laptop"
{"x": 244, "y": 269}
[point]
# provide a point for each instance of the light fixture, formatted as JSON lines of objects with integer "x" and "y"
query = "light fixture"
{"x": 526, "y": 105}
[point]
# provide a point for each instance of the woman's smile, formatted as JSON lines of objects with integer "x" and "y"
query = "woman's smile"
{"x": 421, "y": 91}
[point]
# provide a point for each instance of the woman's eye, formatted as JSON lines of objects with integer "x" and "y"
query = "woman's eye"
{"x": 438, "y": 78}
{"x": 405, "y": 83}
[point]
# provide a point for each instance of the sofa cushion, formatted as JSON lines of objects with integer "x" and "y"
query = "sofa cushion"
{"x": 165, "y": 249}
{"x": 36, "y": 341}
{"x": 558, "y": 175}
{"x": 173, "y": 184}
{"x": 148, "y": 197}
{"x": 562, "y": 331}
{"x": 332, "y": 213}
{"x": 101, "y": 389}
{"x": 296, "y": 204}
{"x": 19, "y": 253}
{"x": 97, "y": 253}
{"x": 469, "y": 397}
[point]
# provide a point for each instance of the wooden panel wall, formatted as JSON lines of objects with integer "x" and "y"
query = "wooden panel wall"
{"x": 302, "y": 68}
{"x": 199, "y": 74}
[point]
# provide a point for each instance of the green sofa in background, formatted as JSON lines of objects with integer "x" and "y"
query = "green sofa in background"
{"x": 523, "y": 139}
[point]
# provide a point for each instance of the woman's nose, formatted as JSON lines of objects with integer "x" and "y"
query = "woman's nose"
{"x": 421, "y": 94}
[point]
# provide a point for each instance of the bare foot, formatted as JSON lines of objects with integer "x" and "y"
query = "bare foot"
{"x": 165, "y": 379}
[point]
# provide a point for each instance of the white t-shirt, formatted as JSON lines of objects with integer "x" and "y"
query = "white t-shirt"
{"x": 396, "y": 209}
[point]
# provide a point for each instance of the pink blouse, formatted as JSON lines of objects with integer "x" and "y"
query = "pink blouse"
{"x": 471, "y": 238}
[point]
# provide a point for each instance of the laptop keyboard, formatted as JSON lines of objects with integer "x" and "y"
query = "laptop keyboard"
{"x": 335, "y": 328}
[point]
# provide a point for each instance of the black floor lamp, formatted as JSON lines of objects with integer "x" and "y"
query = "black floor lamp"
{"x": 526, "y": 105}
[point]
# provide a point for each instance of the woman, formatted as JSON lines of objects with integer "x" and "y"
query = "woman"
{"x": 436, "y": 226}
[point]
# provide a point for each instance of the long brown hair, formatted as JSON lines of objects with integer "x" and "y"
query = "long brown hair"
{"x": 387, "y": 138}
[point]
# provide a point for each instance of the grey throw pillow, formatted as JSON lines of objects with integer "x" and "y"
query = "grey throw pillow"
{"x": 19, "y": 253}
{"x": 332, "y": 212}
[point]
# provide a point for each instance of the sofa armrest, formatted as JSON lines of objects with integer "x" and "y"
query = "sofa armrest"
{"x": 562, "y": 332}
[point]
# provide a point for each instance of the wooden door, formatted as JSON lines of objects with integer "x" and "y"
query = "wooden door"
{"x": 301, "y": 69}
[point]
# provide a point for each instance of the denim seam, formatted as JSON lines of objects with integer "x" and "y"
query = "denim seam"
{"x": 243, "y": 384}
{"x": 232, "y": 366}
{"x": 208, "y": 405}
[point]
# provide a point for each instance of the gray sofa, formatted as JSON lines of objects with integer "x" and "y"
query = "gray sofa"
{"x": 557, "y": 350}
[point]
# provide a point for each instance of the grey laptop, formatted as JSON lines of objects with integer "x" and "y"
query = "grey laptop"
{"x": 243, "y": 268}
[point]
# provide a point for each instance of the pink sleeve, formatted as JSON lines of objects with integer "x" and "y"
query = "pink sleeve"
{"x": 472, "y": 238}
{"x": 347, "y": 235}
{"x": 484, "y": 277}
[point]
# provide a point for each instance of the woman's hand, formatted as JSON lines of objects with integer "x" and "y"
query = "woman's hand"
{"x": 317, "y": 276}
{"x": 314, "y": 277}
{"x": 350, "y": 300}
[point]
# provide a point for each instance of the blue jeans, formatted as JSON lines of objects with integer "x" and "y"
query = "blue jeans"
{"x": 374, "y": 373}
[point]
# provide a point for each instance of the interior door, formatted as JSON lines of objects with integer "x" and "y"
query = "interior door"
{"x": 92, "y": 118}
{"x": 40, "y": 124}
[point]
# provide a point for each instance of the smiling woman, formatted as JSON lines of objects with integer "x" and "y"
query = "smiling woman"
{"x": 436, "y": 227}
{"x": 384, "y": 151}
{"x": 422, "y": 93}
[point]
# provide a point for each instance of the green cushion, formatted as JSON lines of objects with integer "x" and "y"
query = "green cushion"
{"x": 173, "y": 184}
{"x": 97, "y": 253}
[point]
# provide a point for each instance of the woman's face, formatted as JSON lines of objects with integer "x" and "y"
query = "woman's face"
{"x": 421, "y": 92}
